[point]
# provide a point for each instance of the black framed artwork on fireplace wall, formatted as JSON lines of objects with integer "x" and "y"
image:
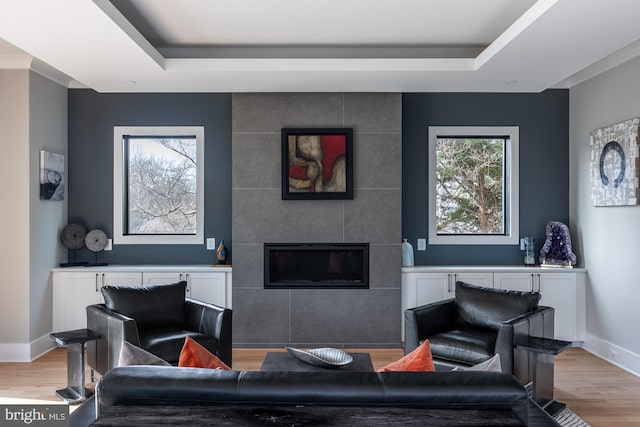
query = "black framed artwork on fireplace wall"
{"x": 317, "y": 163}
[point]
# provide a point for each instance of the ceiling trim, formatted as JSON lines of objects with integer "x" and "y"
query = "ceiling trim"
{"x": 118, "y": 18}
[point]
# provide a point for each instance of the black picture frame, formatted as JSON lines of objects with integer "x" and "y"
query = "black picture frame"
{"x": 307, "y": 177}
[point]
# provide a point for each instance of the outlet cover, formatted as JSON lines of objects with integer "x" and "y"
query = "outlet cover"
{"x": 422, "y": 244}
{"x": 211, "y": 243}
{"x": 109, "y": 246}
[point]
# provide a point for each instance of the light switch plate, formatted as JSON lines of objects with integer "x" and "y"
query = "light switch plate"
{"x": 422, "y": 244}
{"x": 109, "y": 246}
{"x": 211, "y": 243}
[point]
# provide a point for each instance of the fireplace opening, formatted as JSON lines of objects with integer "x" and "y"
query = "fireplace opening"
{"x": 316, "y": 265}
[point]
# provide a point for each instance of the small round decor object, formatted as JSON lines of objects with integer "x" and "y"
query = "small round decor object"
{"x": 325, "y": 357}
{"x": 96, "y": 240}
{"x": 72, "y": 236}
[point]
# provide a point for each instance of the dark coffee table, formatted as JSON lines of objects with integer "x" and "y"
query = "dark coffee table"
{"x": 285, "y": 362}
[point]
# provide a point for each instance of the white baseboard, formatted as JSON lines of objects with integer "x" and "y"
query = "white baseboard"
{"x": 616, "y": 355}
{"x": 26, "y": 352}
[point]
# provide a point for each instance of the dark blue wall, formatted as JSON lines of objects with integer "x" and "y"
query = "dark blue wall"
{"x": 92, "y": 117}
{"x": 544, "y": 165}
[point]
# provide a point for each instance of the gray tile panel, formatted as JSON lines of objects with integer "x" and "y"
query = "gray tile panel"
{"x": 256, "y": 161}
{"x": 374, "y": 216}
{"x": 378, "y": 161}
{"x": 270, "y": 112}
{"x": 261, "y": 216}
{"x": 373, "y": 112}
{"x": 260, "y": 316}
{"x": 248, "y": 261}
{"x": 345, "y": 316}
{"x": 383, "y": 266}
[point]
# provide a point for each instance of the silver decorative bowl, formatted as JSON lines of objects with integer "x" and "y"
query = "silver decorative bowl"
{"x": 324, "y": 357}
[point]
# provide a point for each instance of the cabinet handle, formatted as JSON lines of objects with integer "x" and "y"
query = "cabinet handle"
{"x": 180, "y": 277}
{"x": 539, "y": 290}
{"x": 188, "y": 279}
{"x": 449, "y": 283}
{"x": 97, "y": 283}
{"x": 533, "y": 288}
{"x": 102, "y": 280}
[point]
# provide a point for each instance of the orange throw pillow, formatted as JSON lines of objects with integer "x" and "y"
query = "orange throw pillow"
{"x": 194, "y": 355}
{"x": 419, "y": 359}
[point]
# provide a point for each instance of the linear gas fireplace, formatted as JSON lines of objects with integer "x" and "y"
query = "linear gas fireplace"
{"x": 316, "y": 265}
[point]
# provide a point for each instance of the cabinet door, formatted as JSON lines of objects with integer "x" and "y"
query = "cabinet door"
{"x": 112, "y": 278}
{"x": 432, "y": 287}
{"x": 207, "y": 287}
{"x": 158, "y": 278}
{"x": 479, "y": 279}
{"x": 559, "y": 291}
{"x": 77, "y": 291}
{"x": 524, "y": 282}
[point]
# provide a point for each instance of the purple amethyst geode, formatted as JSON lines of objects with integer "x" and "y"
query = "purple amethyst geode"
{"x": 557, "y": 248}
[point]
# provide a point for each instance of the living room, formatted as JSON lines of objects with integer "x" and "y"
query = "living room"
{"x": 242, "y": 197}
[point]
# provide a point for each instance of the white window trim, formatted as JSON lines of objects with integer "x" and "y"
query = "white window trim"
{"x": 118, "y": 181}
{"x": 512, "y": 185}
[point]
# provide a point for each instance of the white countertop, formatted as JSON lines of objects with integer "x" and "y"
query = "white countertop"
{"x": 151, "y": 267}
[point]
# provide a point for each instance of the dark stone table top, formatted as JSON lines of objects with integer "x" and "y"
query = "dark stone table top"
{"x": 302, "y": 415}
{"x": 283, "y": 361}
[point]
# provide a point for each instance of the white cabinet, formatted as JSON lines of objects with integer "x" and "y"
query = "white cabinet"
{"x": 76, "y": 288}
{"x": 563, "y": 290}
{"x": 557, "y": 290}
{"x": 425, "y": 288}
{"x": 207, "y": 287}
{"x": 73, "y": 291}
{"x": 524, "y": 282}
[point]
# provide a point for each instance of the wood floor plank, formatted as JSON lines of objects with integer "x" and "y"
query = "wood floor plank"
{"x": 599, "y": 392}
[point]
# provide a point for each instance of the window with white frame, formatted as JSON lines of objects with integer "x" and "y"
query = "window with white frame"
{"x": 473, "y": 185}
{"x": 158, "y": 185}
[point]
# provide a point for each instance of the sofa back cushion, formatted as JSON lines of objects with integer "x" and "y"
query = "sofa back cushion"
{"x": 150, "y": 306}
{"x": 488, "y": 307}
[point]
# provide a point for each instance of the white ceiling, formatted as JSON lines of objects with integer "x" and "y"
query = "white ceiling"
{"x": 318, "y": 45}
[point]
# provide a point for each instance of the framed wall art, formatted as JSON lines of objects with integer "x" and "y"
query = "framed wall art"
{"x": 614, "y": 164}
{"x": 317, "y": 164}
{"x": 51, "y": 176}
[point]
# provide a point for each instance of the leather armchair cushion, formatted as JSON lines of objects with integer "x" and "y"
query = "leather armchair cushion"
{"x": 466, "y": 345}
{"x": 150, "y": 306}
{"x": 167, "y": 342}
{"x": 488, "y": 308}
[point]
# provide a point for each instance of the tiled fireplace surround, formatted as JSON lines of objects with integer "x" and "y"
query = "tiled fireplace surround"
{"x": 317, "y": 317}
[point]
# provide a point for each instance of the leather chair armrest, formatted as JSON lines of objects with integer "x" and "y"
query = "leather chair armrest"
{"x": 113, "y": 327}
{"x": 539, "y": 323}
{"x": 421, "y": 322}
{"x": 214, "y": 321}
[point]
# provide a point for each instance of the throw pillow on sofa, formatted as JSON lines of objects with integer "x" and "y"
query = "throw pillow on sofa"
{"x": 490, "y": 365}
{"x": 419, "y": 359}
{"x": 194, "y": 355}
{"x": 134, "y": 355}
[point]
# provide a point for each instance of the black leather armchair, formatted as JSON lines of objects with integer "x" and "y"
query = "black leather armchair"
{"x": 478, "y": 323}
{"x": 156, "y": 318}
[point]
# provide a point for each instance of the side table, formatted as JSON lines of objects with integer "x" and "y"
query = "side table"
{"x": 74, "y": 341}
{"x": 543, "y": 351}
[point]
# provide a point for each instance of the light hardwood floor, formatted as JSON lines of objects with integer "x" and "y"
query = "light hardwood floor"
{"x": 599, "y": 392}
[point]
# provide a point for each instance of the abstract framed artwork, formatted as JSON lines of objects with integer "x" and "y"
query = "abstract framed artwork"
{"x": 317, "y": 164}
{"x": 51, "y": 176}
{"x": 614, "y": 164}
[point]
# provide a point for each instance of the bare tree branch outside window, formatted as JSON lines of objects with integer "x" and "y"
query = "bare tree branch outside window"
{"x": 162, "y": 185}
{"x": 470, "y": 174}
